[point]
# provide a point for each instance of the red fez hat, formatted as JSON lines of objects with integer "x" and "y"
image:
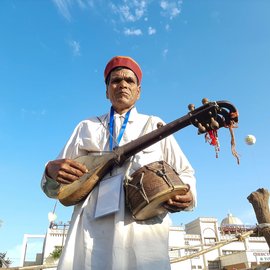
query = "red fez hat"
{"x": 123, "y": 61}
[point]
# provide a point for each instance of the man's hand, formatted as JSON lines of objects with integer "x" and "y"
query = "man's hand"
{"x": 65, "y": 171}
{"x": 179, "y": 202}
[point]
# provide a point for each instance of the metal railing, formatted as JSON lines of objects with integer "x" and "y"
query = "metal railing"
{"x": 34, "y": 267}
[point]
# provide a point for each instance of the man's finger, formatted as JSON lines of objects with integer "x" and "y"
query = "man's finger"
{"x": 78, "y": 166}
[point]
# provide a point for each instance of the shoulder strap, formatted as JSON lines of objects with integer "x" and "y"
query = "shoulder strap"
{"x": 106, "y": 128}
{"x": 144, "y": 131}
{"x": 146, "y": 126}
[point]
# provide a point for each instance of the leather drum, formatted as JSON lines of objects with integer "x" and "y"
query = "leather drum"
{"x": 151, "y": 186}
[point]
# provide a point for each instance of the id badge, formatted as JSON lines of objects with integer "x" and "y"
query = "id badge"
{"x": 108, "y": 200}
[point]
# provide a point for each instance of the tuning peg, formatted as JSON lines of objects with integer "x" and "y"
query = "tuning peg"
{"x": 159, "y": 125}
{"x": 214, "y": 123}
{"x": 205, "y": 101}
{"x": 201, "y": 128}
{"x": 191, "y": 107}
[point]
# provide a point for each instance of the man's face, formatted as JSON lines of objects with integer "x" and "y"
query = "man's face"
{"x": 123, "y": 90}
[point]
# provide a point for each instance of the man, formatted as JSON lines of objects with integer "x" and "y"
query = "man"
{"x": 115, "y": 241}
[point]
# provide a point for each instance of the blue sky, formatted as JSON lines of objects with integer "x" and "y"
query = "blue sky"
{"x": 52, "y": 56}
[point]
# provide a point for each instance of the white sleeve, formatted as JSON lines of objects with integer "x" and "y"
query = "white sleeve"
{"x": 177, "y": 159}
{"x": 71, "y": 150}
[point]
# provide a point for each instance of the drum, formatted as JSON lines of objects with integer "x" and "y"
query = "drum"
{"x": 149, "y": 187}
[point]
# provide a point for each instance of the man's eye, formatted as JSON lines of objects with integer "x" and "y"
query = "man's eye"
{"x": 116, "y": 80}
{"x": 130, "y": 80}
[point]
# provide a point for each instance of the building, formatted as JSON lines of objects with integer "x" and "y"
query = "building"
{"x": 226, "y": 251}
{"x": 200, "y": 244}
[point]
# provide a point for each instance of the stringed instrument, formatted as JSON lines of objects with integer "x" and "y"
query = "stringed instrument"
{"x": 207, "y": 118}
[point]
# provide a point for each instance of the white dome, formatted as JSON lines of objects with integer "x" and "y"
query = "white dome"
{"x": 231, "y": 220}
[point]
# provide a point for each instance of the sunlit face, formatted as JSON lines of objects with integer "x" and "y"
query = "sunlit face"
{"x": 123, "y": 90}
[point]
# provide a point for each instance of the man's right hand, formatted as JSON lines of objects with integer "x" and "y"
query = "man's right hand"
{"x": 65, "y": 171}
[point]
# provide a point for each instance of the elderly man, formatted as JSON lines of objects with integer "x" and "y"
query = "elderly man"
{"x": 102, "y": 240}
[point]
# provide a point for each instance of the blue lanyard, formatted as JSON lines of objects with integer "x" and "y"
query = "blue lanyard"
{"x": 122, "y": 130}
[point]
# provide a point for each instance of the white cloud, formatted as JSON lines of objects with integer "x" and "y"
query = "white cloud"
{"x": 171, "y": 9}
{"x": 151, "y": 31}
{"x": 63, "y": 7}
{"x": 76, "y": 48}
{"x": 164, "y": 4}
{"x": 133, "y": 32}
{"x": 130, "y": 11}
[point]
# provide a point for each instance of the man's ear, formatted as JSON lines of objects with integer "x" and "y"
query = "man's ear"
{"x": 139, "y": 92}
{"x": 107, "y": 94}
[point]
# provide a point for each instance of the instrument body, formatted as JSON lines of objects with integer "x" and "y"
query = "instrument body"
{"x": 150, "y": 187}
{"x": 98, "y": 164}
{"x": 210, "y": 116}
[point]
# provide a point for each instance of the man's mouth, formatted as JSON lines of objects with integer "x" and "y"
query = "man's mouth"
{"x": 122, "y": 94}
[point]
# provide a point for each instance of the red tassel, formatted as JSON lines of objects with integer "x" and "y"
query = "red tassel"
{"x": 212, "y": 137}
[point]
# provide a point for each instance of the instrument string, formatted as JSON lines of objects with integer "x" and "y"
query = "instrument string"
{"x": 106, "y": 128}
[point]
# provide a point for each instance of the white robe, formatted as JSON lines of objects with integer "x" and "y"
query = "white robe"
{"x": 117, "y": 241}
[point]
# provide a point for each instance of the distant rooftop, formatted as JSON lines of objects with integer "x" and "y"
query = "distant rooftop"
{"x": 231, "y": 220}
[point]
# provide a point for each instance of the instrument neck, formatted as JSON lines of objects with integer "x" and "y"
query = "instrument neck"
{"x": 126, "y": 151}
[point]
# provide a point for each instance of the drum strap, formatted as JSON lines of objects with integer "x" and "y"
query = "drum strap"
{"x": 161, "y": 172}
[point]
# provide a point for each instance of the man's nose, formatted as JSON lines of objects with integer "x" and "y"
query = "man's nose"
{"x": 123, "y": 83}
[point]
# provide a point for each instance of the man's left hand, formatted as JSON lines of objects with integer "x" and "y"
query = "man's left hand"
{"x": 179, "y": 202}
